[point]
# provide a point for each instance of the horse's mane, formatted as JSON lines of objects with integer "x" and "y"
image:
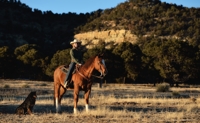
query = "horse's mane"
{"x": 89, "y": 61}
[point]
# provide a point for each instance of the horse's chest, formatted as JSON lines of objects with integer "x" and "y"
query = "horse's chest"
{"x": 85, "y": 85}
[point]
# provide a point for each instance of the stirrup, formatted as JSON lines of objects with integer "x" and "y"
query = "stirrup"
{"x": 66, "y": 85}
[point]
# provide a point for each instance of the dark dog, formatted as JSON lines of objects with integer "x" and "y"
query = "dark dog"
{"x": 27, "y": 106}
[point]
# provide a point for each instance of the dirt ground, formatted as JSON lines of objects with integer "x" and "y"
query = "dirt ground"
{"x": 110, "y": 104}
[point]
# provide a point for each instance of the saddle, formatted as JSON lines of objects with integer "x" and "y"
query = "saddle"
{"x": 65, "y": 68}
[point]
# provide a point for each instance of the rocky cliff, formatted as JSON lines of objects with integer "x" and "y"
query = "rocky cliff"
{"x": 116, "y": 36}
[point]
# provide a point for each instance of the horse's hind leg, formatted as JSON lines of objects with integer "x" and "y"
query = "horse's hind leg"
{"x": 56, "y": 97}
{"x": 86, "y": 96}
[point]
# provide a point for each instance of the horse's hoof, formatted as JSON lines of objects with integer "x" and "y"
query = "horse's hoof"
{"x": 75, "y": 111}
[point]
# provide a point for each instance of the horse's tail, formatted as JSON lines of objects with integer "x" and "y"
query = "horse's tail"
{"x": 54, "y": 100}
{"x": 54, "y": 79}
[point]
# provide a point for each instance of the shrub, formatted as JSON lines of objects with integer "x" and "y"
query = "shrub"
{"x": 6, "y": 86}
{"x": 120, "y": 80}
{"x": 163, "y": 87}
{"x": 43, "y": 84}
{"x": 25, "y": 86}
{"x": 175, "y": 94}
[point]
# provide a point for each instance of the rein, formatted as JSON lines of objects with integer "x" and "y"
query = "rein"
{"x": 82, "y": 75}
{"x": 100, "y": 77}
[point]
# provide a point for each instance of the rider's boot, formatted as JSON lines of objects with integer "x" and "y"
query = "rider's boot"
{"x": 66, "y": 84}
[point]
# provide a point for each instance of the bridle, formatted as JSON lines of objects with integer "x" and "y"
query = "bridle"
{"x": 100, "y": 77}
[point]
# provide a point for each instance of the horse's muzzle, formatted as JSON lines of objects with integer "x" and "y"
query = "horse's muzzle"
{"x": 103, "y": 74}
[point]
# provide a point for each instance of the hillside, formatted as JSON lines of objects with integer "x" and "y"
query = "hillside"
{"x": 146, "y": 18}
{"x": 19, "y": 24}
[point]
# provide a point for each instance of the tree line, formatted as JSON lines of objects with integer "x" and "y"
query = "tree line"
{"x": 158, "y": 60}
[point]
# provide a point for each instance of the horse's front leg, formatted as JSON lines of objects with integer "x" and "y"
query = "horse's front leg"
{"x": 86, "y": 96}
{"x": 76, "y": 94}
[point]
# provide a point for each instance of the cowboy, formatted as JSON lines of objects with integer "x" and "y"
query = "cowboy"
{"x": 76, "y": 59}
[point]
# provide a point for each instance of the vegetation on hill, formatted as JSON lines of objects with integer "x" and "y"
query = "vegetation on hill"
{"x": 33, "y": 43}
{"x": 151, "y": 18}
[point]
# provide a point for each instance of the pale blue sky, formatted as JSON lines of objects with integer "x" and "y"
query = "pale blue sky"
{"x": 83, "y": 6}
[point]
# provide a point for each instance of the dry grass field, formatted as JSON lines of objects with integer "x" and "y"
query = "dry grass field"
{"x": 113, "y": 103}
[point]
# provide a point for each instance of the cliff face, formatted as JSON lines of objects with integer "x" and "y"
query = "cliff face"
{"x": 116, "y": 36}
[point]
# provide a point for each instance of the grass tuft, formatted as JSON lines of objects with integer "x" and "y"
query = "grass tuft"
{"x": 176, "y": 94}
{"x": 43, "y": 84}
{"x": 163, "y": 87}
{"x": 25, "y": 86}
{"x": 6, "y": 86}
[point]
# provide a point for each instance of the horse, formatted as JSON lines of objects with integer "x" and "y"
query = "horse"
{"x": 81, "y": 80}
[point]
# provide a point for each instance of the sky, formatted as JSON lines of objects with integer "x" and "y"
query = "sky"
{"x": 84, "y": 6}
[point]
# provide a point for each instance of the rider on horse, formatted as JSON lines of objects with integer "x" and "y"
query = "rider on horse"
{"x": 76, "y": 59}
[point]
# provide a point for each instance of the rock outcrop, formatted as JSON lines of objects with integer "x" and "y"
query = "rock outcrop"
{"x": 116, "y": 36}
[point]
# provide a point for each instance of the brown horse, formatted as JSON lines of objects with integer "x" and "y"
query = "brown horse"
{"x": 81, "y": 80}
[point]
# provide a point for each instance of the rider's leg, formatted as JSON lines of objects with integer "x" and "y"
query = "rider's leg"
{"x": 69, "y": 74}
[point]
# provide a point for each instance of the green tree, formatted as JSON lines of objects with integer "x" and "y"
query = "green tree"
{"x": 7, "y": 68}
{"x": 59, "y": 58}
{"x": 131, "y": 55}
{"x": 175, "y": 60}
{"x": 32, "y": 60}
{"x": 29, "y": 54}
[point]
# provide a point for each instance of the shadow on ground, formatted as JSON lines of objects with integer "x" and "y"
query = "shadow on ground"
{"x": 10, "y": 109}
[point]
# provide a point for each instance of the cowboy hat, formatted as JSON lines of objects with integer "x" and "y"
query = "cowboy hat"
{"x": 75, "y": 41}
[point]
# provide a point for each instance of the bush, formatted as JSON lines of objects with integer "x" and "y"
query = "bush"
{"x": 6, "y": 86}
{"x": 175, "y": 94}
{"x": 43, "y": 84}
{"x": 25, "y": 86}
{"x": 120, "y": 80}
{"x": 164, "y": 87}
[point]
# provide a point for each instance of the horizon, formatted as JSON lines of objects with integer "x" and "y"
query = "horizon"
{"x": 89, "y": 6}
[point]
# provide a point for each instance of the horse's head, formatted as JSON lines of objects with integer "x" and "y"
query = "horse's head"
{"x": 100, "y": 65}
